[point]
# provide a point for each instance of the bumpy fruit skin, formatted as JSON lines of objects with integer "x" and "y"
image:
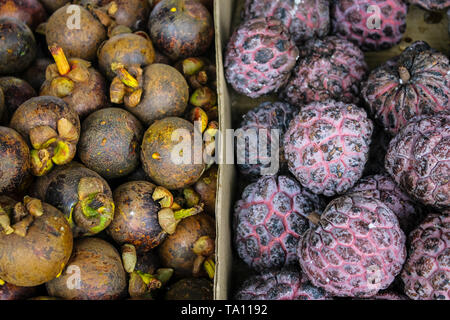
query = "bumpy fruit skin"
{"x": 304, "y": 20}
{"x": 181, "y": 29}
{"x": 284, "y": 284}
{"x": 137, "y": 221}
{"x": 191, "y": 289}
{"x": 329, "y": 68}
{"x": 157, "y": 158}
{"x": 206, "y": 187}
{"x": 102, "y": 274}
{"x": 17, "y": 46}
{"x": 382, "y": 187}
{"x": 29, "y": 11}
{"x": 259, "y": 57}
{"x": 11, "y": 292}
{"x": 15, "y": 161}
{"x": 81, "y": 42}
{"x": 267, "y": 116}
{"x": 355, "y": 250}
{"x": 426, "y": 272}
{"x": 418, "y": 159}
{"x": 129, "y": 49}
{"x": 16, "y": 92}
{"x": 370, "y": 24}
{"x": 327, "y": 145}
{"x": 109, "y": 143}
{"x": 431, "y": 4}
{"x": 388, "y": 295}
{"x": 270, "y": 219}
{"x": 39, "y": 256}
{"x": 166, "y": 94}
{"x": 394, "y": 99}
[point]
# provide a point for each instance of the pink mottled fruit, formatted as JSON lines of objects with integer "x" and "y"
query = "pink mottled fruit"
{"x": 427, "y": 271}
{"x": 355, "y": 250}
{"x": 269, "y": 220}
{"x": 431, "y": 4}
{"x": 329, "y": 68}
{"x": 327, "y": 145}
{"x": 260, "y": 57}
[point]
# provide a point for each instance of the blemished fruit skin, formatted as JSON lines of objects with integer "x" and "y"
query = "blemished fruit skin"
{"x": 418, "y": 159}
{"x": 327, "y": 145}
{"x": 16, "y": 92}
{"x": 267, "y": 116}
{"x": 110, "y": 142}
{"x": 304, "y": 19}
{"x": 382, "y": 187}
{"x": 284, "y": 284}
{"x": 426, "y": 273}
{"x": 329, "y": 68}
{"x": 370, "y": 24}
{"x": 432, "y": 5}
{"x": 206, "y": 187}
{"x": 29, "y": 11}
{"x": 191, "y": 289}
{"x": 15, "y": 161}
{"x": 414, "y": 83}
{"x": 102, "y": 276}
{"x": 260, "y": 56}
{"x": 356, "y": 249}
{"x": 270, "y": 219}
{"x": 11, "y": 292}
{"x": 17, "y": 46}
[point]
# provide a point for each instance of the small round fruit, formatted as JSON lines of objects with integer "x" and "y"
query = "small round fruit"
{"x": 29, "y": 11}
{"x": 16, "y": 92}
{"x": 40, "y": 253}
{"x": 11, "y": 292}
{"x": 17, "y": 46}
{"x": 181, "y": 28}
{"x": 15, "y": 161}
{"x": 109, "y": 143}
{"x": 168, "y": 155}
{"x": 206, "y": 187}
{"x": 191, "y": 289}
{"x": 101, "y": 274}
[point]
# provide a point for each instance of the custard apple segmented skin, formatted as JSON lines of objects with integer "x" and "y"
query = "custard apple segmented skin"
{"x": 418, "y": 160}
{"x": 269, "y": 221}
{"x": 329, "y": 68}
{"x": 414, "y": 83}
{"x": 327, "y": 146}
{"x": 431, "y": 5}
{"x": 370, "y": 24}
{"x": 285, "y": 284}
{"x": 267, "y": 116}
{"x": 259, "y": 57}
{"x": 304, "y": 19}
{"x": 426, "y": 273}
{"x": 356, "y": 249}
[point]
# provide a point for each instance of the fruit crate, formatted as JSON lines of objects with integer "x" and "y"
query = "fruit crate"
{"x": 431, "y": 27}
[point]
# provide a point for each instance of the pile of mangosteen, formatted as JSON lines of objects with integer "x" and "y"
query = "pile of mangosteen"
{"x": 92, "y": 203}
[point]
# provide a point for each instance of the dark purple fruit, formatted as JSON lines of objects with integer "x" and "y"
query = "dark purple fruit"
{"x": 206, "y": 187}
{"x": 110, "y": 142}
{"x": 191, "y": 289}
{"x": 11, "y": 292}
{"x": 35, "y": 74}
{"x": 17, "y": 46}
{"x": 16, "y": 91}
{"x": 29, "y": 11}
{"x": 53, "y": 5}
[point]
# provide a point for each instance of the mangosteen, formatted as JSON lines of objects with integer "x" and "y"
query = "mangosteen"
{"x": 82, "y": 195}
{"x": 51, "y": 127}
{"x": 35, "y": 242}
{"x": 2, "y": 103}
{"x": 191, "y": 289}
{"x": 29, "y": 11}
{"x": 169, "y": 155}
{"x": 154, "y": 93}
{"x": 94, "y": 272}
{"x": 78, "y": 38}
{"x": 181, "y": 28}
{"x": 53, "y": 5}
{"x": 190, "y": 249}
{"x": 76, "y": 82}
{"x": 16, "y": 91}
{"x": 15, "y": 161}
{"x": 11, "y": 292}
{"x": 17, "y": 46}
{"x": 110, "y": 142}
{"x": 44, "y": 298}
{"x": 130, "y": 50}
{"x": 35, "y": 74}
{"x": 199, "y": 72}
{"x": 206, "y": 187}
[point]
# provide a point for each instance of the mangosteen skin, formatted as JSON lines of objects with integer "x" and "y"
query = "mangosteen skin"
{"x": 11, "y": 292}
{"x": 39, "y": 256}
{"x": 181, "y": 28}
{"x": 76, "y": 43}
{"x": 156, "y": 154}
{"x": 166, "y": 94}
{"x": 191, "y": 289}
{"x": 35, "y": 74}
{"x": 29, "y": 11}
{"x": 16, "y": 91}
{"x": 110, "y": 142}
{"x": 17, "y": 46}
{"x": 15, "y": 161}
{"x": 176, "y": 251}
{"x": 102, "y": 274}
{"x": 2, "y": 104}
{"x": 137, "y": 223}
{"x": 53, "y": 5}
{"x": 206, "y": 187}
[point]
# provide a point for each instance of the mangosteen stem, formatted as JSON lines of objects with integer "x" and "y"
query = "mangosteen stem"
{"x": 150, "y": 280}
{"x": 185, "y": 213}
{"x": 124, "y": 75}
{"x": 96, "y": 206}
{"x": 404, "y": 74}
{"x": 164, "y": 275}
{"x": 60, "y": 59}
{"x": 129, "y": 257}
{"x": 204, "y": 246}
{"x": 210, "y": 267}
{"x": 5, "y": 222}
